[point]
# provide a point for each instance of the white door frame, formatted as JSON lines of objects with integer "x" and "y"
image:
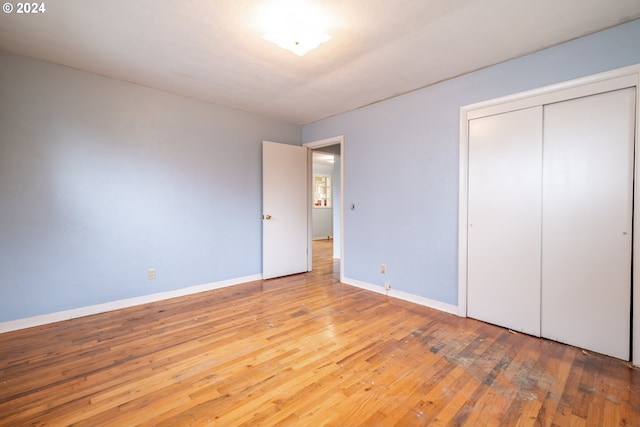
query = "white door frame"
{"x": 590, "y": 85}
{"x": 312, "y": 146}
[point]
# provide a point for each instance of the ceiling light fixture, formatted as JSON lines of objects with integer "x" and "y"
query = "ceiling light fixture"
{"x": 296, "y": 26}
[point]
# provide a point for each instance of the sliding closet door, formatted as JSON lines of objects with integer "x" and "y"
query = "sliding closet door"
{"x": 587, "y": 218}
{"x": 504, "y": 198}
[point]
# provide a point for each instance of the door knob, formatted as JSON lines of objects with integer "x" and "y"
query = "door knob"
{"x": 267, "y": 217}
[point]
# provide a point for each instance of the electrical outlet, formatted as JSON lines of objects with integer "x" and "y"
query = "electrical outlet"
{"x": 151, "y": 273}
{"x": 387, "y": 286}
{"x": 383, "y": 268}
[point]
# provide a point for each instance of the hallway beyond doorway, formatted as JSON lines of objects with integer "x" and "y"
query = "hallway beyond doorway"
{"x": 323, "y": 261}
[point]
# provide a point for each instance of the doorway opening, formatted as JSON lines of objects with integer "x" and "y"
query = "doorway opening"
{"x": 326, "y": 234}
{"x": 324, "y": 264}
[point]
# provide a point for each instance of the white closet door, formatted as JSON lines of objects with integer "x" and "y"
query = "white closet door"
{"x": 504, "y": 208}
{"x": 587, "y": 217}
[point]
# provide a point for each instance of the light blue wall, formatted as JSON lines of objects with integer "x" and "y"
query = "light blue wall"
{"x": 401, "y": 162}
{"x": 101, "y": 179}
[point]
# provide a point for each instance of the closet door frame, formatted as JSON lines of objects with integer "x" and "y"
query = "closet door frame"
{"x": 604, "y": 82}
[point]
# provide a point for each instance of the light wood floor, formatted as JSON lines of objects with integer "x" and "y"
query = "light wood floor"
{"x": 303, "y": 350}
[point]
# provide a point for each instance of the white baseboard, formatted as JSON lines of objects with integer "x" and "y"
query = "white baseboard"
{"x": 447, "y": 308}
{"x": 14, "y": 325}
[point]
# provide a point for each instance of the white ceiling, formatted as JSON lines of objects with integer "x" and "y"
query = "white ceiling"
{"x": 213, "y": 49}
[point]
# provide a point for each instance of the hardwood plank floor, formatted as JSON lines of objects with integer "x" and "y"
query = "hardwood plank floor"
{"x": 302, "y": 350}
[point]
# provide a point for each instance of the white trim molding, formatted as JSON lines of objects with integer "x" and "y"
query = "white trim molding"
{"x": 416, "y": 299}
{"x": 29, "y": 322}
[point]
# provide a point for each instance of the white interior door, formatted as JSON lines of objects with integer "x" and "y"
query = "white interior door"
{"x": 285, "y": 205}
{"x": 504, "y": 208}
{"x": 587, "y": 219}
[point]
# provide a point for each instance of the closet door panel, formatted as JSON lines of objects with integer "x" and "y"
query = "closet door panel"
{"x": 587, "y": 219}
{"x": 504, "y": 208}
